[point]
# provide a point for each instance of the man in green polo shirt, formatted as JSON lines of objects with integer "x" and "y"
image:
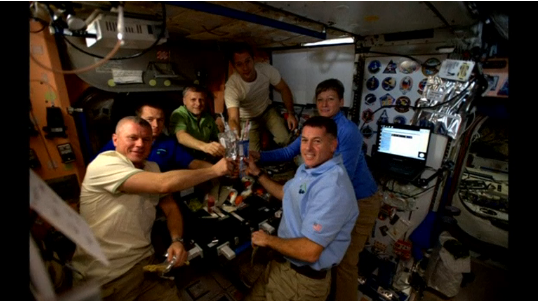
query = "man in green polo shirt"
{"x": 195, "y": 127}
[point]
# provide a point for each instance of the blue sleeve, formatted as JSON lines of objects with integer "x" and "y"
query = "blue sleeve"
{"x": 182, "y": 157}
{"x": 283, "y": 154}
{"x": 350, "y": 146}
{"x": 107, "y": 147}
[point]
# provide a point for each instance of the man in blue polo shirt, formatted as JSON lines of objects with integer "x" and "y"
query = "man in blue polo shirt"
{"x": 329, "y": 99}
{"x": 319, "y": 212}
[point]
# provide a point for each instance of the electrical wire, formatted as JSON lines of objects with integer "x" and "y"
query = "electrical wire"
{"x": 160, "y": 36}
{"x": 99, "y": 63}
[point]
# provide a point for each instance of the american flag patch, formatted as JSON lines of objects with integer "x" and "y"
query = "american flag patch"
{"x": 317, "y": 227}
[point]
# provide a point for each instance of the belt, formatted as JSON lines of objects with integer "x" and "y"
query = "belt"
{"x": 304, "y": 270}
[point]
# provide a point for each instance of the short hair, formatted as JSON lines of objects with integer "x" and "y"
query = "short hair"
{"x": 148, "y": 103}
{"x": 135, "y": 119}
{"x": 322, "y": 122}
{"x": 331, "y": 84}
{"x": 239, "y": 48}
{"x": 197, "y": 89}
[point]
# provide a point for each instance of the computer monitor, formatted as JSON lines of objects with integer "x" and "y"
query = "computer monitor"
{"x": 402, "y": 149}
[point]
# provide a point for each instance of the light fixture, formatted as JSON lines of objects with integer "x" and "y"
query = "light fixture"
{"x": 445, "y": 49}
{"x": 331, "y": 42}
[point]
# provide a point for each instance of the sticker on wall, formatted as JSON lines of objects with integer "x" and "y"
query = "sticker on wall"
{"x": 399, "y": 119}
{"x": 374, "y": 66}
{"x": 422, "y": 85}
{"x": 388, "y": 83}
{"x": 402, "y": 104}
{"x": 370, "y": 99}
{"x": 405, "y": 84}
{"x": 372, "y": 83}
{"x": 383, "y": 118}
{"x": 367, "y": 116}
{"x": 367, "y": 132}
{"x": 391, "y": 67}
{"x": 386, "y": 100}
{"x": 408, "y": 67}
{"x": 431, "y": 66}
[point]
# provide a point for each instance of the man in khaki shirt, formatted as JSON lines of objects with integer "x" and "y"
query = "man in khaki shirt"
{"x": 119, "y": 195}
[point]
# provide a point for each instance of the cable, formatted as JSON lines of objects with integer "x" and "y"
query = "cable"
{"x": 97, "y": 64}
{"x": 160, "y": 36}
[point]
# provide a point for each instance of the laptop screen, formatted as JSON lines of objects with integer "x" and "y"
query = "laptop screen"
{"x": 405, "y": 141}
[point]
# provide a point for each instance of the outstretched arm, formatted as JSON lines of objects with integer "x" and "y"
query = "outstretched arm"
{"x": 272, "y": 187}
{"x": 174, "y": 180}
{"x": 213, "y": 148}
{"x": 234, "y": 120}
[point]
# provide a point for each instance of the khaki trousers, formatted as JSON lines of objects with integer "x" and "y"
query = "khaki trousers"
{"x": 140, "y": 286}
{"x": 273, "y": 122}
{"x": 347, "y": 271}
{"x": 281, "y": 283}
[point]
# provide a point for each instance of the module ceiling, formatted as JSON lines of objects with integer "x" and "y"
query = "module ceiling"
{"x": 269, "y": 24}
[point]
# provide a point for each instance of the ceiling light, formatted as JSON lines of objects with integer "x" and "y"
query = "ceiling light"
{"x": 330, "y": 42}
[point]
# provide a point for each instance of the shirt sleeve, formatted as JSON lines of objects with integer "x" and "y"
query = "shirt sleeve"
{"x": 177, "y": 122}
{"x": 283, "y": 154}
{"x": 231, "y": 95}
{"x": 272, "y": 73}
{"x": 329, "y": 208}
{"x": 108, "y": 172}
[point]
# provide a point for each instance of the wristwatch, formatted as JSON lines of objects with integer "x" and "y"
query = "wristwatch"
{"x": 179, "y": 239}
{"x": 258, "y": 174}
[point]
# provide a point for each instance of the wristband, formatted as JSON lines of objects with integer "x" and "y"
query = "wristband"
{"x": 259, "y": 174}
{"x": 180, "y": 240}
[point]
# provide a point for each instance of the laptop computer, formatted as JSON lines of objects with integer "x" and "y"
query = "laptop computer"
{"x": 402, "y": 150}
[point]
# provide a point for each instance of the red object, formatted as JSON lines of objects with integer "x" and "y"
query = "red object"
{"x": 238, "y": 200}
{"x": 402, "y": 249}
{"x": 210, "y": 203}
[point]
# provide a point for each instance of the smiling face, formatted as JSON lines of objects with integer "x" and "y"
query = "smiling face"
{"x": 244, "y": 65}
{"x": 156, "y": 119}
{"x": 194, "y": 102}
{"x": 328, "y": 103}
{"x": 133, "y": 141}
{"x": 317, "y": 146}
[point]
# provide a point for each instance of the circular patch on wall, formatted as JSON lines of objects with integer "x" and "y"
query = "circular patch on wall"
{"x": 367, "y": 116}
{"x": 386, "y": 100}
{"x": 408, "y": 66}
{"x": 367, "y": 132}
{"x": 422, "y": 85}
{"x": 388, "y": 83}
{"x": 399, "y": 119}
{"x": 402, "y": 104}
{"x": 431, "y": 66}
{"x": 372, "y": 83}
{"x": 374, "y": 66}
{"x": 405, "y": 84}
{"x": 370, "y": 99}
